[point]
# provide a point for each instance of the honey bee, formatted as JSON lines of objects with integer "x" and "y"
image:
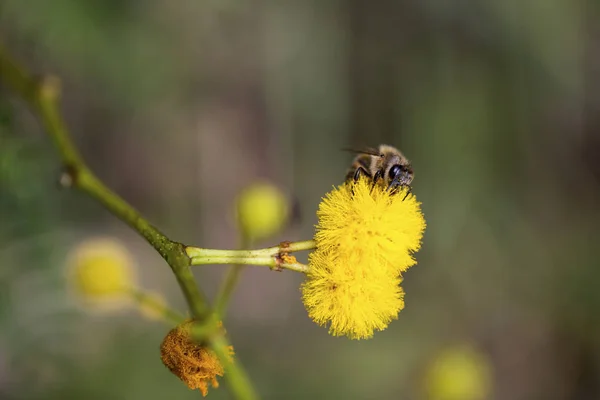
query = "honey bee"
{"x": 386, "y": 163}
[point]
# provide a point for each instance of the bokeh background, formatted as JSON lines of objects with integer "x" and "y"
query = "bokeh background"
{"x": 180, "y": 105}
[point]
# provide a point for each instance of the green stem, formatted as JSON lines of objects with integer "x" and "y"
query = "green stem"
{"x": 285, "y": 247}
{"x": 16, "y": 78}
{"x": 171, "y": 251}
{"x": 226, "y": 290}
{"x": 296, "y": 267}
{"x": 193, "y": 296}
{"x": 229, "y": 283}
{"x": 237, "y": 377}
{"x": 270, "y": 262}
{"x": 270, "y": 256}
{"x": 43, "y": 97}
{"x": 47, "y": 103}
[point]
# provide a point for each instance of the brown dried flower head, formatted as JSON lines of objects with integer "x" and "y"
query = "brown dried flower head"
{"x": 195, "y": 364}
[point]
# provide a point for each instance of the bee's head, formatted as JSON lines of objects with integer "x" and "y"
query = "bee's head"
{"x": 400, "y": 175}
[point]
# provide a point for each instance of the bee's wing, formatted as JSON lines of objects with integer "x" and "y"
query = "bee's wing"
{"x": 363, "y": 150}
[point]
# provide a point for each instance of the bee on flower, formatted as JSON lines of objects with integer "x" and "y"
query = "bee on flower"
{"x": 366, "y": 237}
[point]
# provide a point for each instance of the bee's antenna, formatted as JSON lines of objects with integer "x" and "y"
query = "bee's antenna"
{"x": 364, "y": 150}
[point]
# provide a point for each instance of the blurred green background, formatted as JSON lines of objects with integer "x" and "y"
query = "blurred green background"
{"x": 180, "y": 106}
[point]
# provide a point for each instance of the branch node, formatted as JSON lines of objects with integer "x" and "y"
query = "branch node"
{"x": 278, "y": 261}
{"x": 283, "y": 257}
{"x": 68, "y": 177}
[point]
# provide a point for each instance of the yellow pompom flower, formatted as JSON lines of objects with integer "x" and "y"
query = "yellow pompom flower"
{"x": 365, "y": 239}
{"x": 261, "y": 211}
{"x": 354, "y": 295}
{"x": 354, "y": 218}
{"x": 459, "y": 373}
{"x": 100, "y": 270}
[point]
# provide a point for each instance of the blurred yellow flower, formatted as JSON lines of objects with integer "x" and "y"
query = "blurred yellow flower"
{"x": 100, "y": 270}
{"x": 364, "y": 240}
{"x": 195, "y": 364}
{"x": 261, "y": 210}
{"x": 459, "y": 373}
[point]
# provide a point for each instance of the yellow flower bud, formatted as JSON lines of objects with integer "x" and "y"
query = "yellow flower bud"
{"x": 262, "y": 211}
{"x": 459, "y": 373}
{"x": 100, "y": 269}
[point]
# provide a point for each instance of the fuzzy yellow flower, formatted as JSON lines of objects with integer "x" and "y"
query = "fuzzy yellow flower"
{"x": 354, "y": 218}
{"x": 353, "y": 294}
{"x": 365, "y": 239}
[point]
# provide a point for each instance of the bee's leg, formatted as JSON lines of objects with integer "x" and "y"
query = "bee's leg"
{"x": 358, "y": 172}
{"x": 408, "y": 191}
{"x": 393, "y": 185}
{"x": 378, "y": 175}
